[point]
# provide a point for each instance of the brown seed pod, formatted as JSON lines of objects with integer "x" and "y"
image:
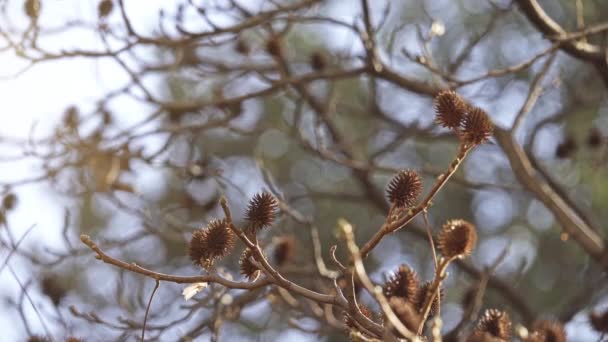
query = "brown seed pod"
{"x": 404, "y": 189}
{"x": 261, "y": 211}
{"x": 599, "y": 321}
{"x": 274, "y": 47}
{"x": 566, "y": 148}
{"x": 284, "y": 250}
{"x": 594, "y": 139}
{"x": 450, "y": 109}
{"x": 32, "y": 8}
{"x": 318, "y": 61}
{"x": 406, "y": 313}
{"x": 247, "y": 268}
{"x": 104, "y": 8}
{"x": 70, "y": 117}
{"x": 9, "y": 201}
{"x": 496, "y": 323}
{"x": 547, "y": 331}
{"x": 212, "y": 242}
{"x": 481, "y": 336}
{"x": 53, "y": 288}
{"x": 404, "y": 284}
{"x": 457, "y": 238}
{"x": 423, "y": 292}
{"x": 242, "y": 47}
{"x": 38, "y": 338}
{"x": 477, "y": 127}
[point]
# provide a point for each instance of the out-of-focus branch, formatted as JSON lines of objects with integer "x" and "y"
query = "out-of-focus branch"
{"x": 594, "y": 54}
{"x": 572, "y": 224}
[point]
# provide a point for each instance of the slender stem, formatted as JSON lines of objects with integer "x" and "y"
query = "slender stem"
{"x": 276, "y": 276}
{"x": 389, "y": 226}
{"x": 433, "y": 291}
{"x": 376, "y": 291}
{"x": 133, "y": 267}
{"x": 143, "y": 328}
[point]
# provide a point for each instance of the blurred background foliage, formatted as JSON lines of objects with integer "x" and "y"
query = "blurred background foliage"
{"x": 272, "y": 143}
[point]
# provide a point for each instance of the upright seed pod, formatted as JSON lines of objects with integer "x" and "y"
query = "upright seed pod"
{"x": 212, "y": 242}
{"x": 457, "y": 238}
{"x": 404, "y": 189}
{"x": 261, "y": 211}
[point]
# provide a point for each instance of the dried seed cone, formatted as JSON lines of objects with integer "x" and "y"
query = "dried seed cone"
{"x": 477, "y": 127}
{"x": 210, "y": 243}
{"x": 404, "y": 189}
{"x": 599, "y": 321}
{"x": 318, "y": 61}
{"x": 547, "y": 331}
{"x": 247, "y": 268}
{"x": 594, "y": 139}
{"x": 32, "y": 8}
{"x": 496, "y": 323}
{"x": 9, "y": 201}
{"x": 450, "y": 109}
{"x": 261, "y": 211}
{"x": 423, "y": 292}
{"x": 284, "y": 250}
{"x": 104, "y": 8}
{"x": 406, "y": 313}
{"x": 480, "y": 336}
{"x": 403, "y": 284}
{"x": 274, "y": 47}
{"x": 457, "y": 238}
{"x": 566, "y": 148}
{"x": 242, "y": 47}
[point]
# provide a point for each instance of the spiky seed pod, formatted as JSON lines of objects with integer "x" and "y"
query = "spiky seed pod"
{"x": 547, "y": 331}
{"x": 423, "y": 292}
{"x": 38, "y": 338}
{"x": 481, "y": 336}
{"x": 594, "y": 140}
{"x": 261, "y": 211}
{"x": 599, "y": 321}
{"x": 457, "y": 238}
{"x": 32, "y": 9}
{"x": 246, "y": 267}
{"x": 566, "y": 148}
{"x": 70, "y": 117}
{"x": 404, "y": 284}
{"x": 52, "y": 288}
{"x": 212, "y": 242}
{"x": 318, "y": 61}
{"x": 9, "y": 201}
{"x": 274, "y": 47}
{"x": 284, "y": 250}
{"x": 496, "y": 323}
{"x": 406, "y": 312}
{"x": 242, "y": 47}
{"x": 104, "y": 8}
{"x": 476, "y": 127}
{"x": 450, "y": 109}
{"x": 404, "y": 188}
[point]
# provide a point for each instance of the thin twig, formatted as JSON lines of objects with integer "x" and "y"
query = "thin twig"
{"x": 143, "y": 328}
